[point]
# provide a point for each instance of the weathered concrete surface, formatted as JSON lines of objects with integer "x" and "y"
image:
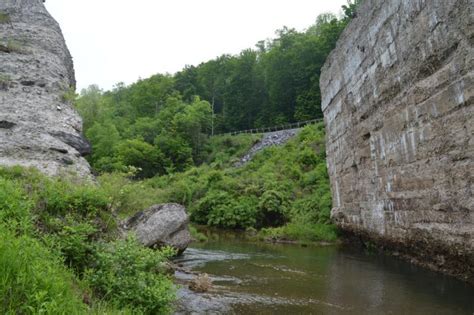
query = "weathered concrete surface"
{"x": 38, "y": 125}
{"x": 398, "y": 106}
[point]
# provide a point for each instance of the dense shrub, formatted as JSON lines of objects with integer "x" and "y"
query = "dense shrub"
{"x": 212, "y": 207}
{"x": 74, "y": 240}
{"x": 273, "y": 208}
{"x": 128, "y": 274}
{"x": 58, "y": 197}
{"x": 225, "y": 150}
{"x": 301, "y": 231}
{"x": 126, "y": 196}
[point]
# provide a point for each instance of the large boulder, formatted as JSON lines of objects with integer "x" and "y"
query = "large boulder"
{"x": 161, "y": 225}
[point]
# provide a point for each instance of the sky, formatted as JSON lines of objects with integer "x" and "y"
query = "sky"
{"x": 115, "y": 41}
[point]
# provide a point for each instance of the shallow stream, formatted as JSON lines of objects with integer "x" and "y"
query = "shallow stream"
{"x": 259, "y": 278}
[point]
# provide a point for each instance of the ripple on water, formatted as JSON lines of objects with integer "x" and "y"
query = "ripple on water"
{"x": 193, "y": 257}
{"x": 267, "y": 279}
{"x": 228, "y": 302}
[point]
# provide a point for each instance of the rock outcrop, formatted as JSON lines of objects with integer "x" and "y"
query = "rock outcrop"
{"x": 398, "y": 106}
{"x": 268, "y": 139}
{"x": 38, "y": 124}
{"x": 161, "y": 225}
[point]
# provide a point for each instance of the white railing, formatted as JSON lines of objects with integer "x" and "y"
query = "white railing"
{"x": 295, "y": 125}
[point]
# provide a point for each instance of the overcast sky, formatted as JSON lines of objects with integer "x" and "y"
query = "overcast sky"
{"x": 120, "y": 41}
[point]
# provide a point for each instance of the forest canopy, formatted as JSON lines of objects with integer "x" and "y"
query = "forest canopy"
{"x": 160, "y": 124}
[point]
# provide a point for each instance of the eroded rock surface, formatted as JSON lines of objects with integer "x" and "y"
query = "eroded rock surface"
{"x": 38, "y": 124}
{"x": 161, "y": 225}
{"x": 398, "y": 106}
{"x": 268, "y": 139}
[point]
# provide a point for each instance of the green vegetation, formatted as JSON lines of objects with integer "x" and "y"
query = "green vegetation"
{"x": 301, "y": 232}
{"x": 59, "y": 252}
{"x": 198, "y": 236}
{"x": 157, "y": 130}
{"x": 280, "y": 186}
{"x": 69, "y": 96}
{"x": 172, "y": 141}
{"x": 34, "y": 280}
{"x": 57, "y": 255}
{"x": 4, "y": 78}
{"x": 139, "y": 282}
{"x": 13, "y": 46}
{"x": 4, "y": 17}
{"x": 160, "y": 125}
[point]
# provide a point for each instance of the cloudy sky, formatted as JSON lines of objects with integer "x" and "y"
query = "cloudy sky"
{"x": 120, "y": 41}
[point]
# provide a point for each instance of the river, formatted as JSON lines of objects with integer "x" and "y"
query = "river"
{"x": 261, "y": 278}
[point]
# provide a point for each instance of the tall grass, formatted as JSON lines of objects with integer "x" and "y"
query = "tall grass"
{"x": 33, "y": 280}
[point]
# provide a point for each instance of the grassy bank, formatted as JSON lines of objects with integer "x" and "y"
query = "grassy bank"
{"x": 59, "y": 253}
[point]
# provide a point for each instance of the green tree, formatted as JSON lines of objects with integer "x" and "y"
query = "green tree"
{"x": 89, "y": 105}
{"x": 148, "y": 159}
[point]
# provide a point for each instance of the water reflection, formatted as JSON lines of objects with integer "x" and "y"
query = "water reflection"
{"x": 286, "y": 279}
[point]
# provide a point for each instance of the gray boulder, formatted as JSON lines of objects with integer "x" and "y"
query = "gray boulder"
{"x": 161, "y": 225}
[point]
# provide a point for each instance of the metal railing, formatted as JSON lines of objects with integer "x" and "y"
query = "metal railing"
{"x": 295, "y": 125}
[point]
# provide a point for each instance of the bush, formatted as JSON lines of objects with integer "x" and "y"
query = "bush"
{"x": 273, "y": 207}
{"x": 224, "y": 150}
{"x": 215, "y": 202}
{"x": 238, "y": 213}
{"x": 33, "y": 280}
{"x": 305, "y": 232}
{"x": 198, "y": 236}
{"x": 60, "y": 197}
{"x": 75, "y": 241}
{"x": 125, "y": 196}
{"x": 128, "y": 275}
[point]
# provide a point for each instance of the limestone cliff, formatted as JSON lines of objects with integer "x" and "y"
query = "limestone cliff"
{"x": 38, "y": 125}
{"x": 398, "y": 106}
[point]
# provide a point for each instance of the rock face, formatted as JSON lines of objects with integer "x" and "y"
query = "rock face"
{"x": 38, "y": 125}
{"x": 398, "y": 106}
{"x": 269, "y": 139}
{"x": 165, "y": 224}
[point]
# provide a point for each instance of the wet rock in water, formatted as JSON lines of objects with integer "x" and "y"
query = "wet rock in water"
{"x": 161, "y": 225}
{"x": 189, "y": 302}
{"x": 167, "y": 267}
{"x": 202, "y": 283}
